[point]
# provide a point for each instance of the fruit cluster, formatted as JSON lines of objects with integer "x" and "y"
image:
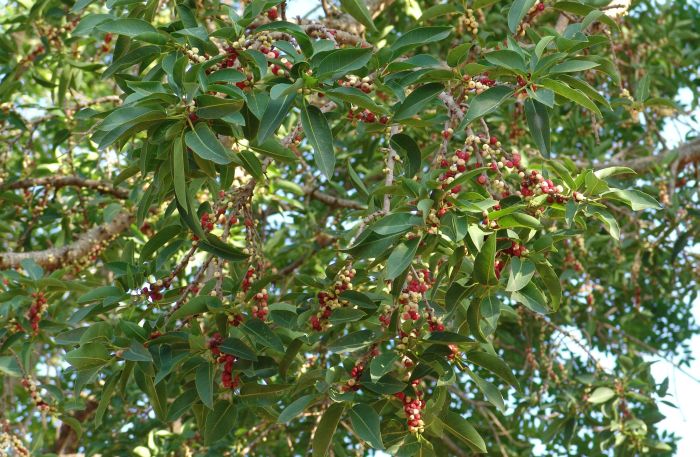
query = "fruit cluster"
{"x": 154, "y": 290}
{"x": 29, "y": 384}
{"x": 39, "y": 306}
{"x": 250, "y": 276}
{"x": 10, "y": 441}
{"x": 411, "y": 295}
{"x": 534, "y": 183}
{"x": 260, "y": 308}
{"x": 516, "y": 249}
{"x": 354, "y": 382}
{"x": 366, "y": 116}
{"x": 471, "y": 22}
{"x": 477, "y": 85}
{"x": 406, "y": 338}
{"x": 330, "y": 300}
{"x": 227, "y": 379}
{"x": 413, "y": 407}
{"x": 536, "y": 9}
{"x": 364, "y": 84}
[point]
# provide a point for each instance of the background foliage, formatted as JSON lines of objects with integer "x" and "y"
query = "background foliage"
{"x": 399, "y": 225}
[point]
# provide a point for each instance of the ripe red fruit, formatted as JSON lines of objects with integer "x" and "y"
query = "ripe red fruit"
{"x": 482, "y": 179}
{"x": 540, "y": 6}
{"x": 272, "y": 14}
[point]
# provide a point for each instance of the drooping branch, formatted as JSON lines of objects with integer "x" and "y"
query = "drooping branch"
{"x": 57, "y": 182}
{"x": 78, "y": 252}
{"x": 332, "y": 200}
{"x": 684, "y": 154}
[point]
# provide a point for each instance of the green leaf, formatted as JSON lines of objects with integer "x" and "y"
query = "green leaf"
{"x": 262, "y": 334}
{"x": 343, "y": 315}
{"x": 551, "y": 281}
{"x": 542, "y": 45}
{"x": 236, "y": 347}
{"x": 601, "y": 395}
{"x": 613, "y": 171}
{"x": 89, "y": 355}
{"x": 395, "y": 223}
{"x": 417, "y": 100}
{"x": 358, "y": 10}
{"x": 507, "y": 59}
{"x": 32, "y": 268}
{"x": 365, "y": 423}
{"x": 294, "y": 409}
{"x": 182, "y": 404}
{"x": 401, "y": 258}
{"x": 339, "y": 62}
{"x": 205, "y": 144}
{"x": 164, "y": 235}
{"x": 321, "y": 138}
{"x": 127, "y": 26}
{"x": 137, "y": 353}
{"x": 538, "y": 123}
{"x": 459, "y": 54}
{"x": 460, "y": 428}
{"x": 217, "y": 247}
{"x": 204, "y": 381}
{"x": 410, "y": 154}
{"x": 382, "y": 364}
{"x": 517, "y": 12}
{"x": 100, "y": 293}
{"x": 105, "y": 399}
{"x": 521, "y": 272}
{"x": 275, "y": 113}
{"x": 219, "y": 421}
{"x": 635, "y": 199}
{"x": 212, "y": 107}
{"x": 485, "y": 103}
{"x": 532, "y": 297}
{"x": 519, "y": 220}
{"x": 9, "y": 366}
{"x": 352, "y": 341}
{"x": 255, "y": 391}
{"x": 419, "y": 37}
{"x": 251, "y": 163}
{"x": 642, "y": 91}
{"x": 356, "y": 97}
{"x": 274, "y": 149}
{"x": 572, "y": 66}
{"x": 574, "y": 95}
{"x": 484, "y": 272}
{"x": 386, "y": 385}
{"x": 325, "y": 430}
{"x": 495, "y": 365}
{"x": 179, "y": 174}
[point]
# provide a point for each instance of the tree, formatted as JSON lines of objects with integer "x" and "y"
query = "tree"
{"x": 426, "y": 228}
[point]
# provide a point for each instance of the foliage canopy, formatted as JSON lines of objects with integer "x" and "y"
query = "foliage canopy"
{"x": 406, "y": 225}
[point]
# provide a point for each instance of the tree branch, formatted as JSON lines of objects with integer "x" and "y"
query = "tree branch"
{"x": 57, "y": 182}
{"x": 332, "y": 200}
{"x": 89, "y": 243}
{"x": 686, "y": 153}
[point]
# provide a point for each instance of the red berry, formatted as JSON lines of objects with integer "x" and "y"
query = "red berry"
{"x": 272, "y": 14}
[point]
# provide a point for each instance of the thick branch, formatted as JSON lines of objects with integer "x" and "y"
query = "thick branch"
{"x": 332, "y": 200}
{"x": 65, "y": 181}
{"x": 89, "y": 243}
{"x": 686, "y": 153}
